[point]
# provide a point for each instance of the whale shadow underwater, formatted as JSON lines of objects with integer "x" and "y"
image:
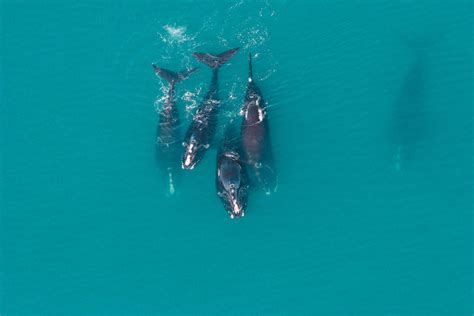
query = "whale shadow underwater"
{"x": 408, "y": 121}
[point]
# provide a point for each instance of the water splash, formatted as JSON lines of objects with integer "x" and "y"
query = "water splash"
{"x": 232, "y": 96}
{"x": 179, "y": 44}
{"x": 191, "y": 99}
{"x": 171, "y": 189}
{"x": 175, "y": 35}
{"x": 253, "y": 36}
{"x": 160, "y": 100}
{"x": 225, "y": 30}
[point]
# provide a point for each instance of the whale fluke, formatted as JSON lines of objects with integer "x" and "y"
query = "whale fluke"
{"x": 215, "y": 61}
{"x": 171, "y": 76}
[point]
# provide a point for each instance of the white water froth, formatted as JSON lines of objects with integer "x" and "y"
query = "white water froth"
{"x": 175, "y": 34}
{"x": 191, "y": 99}
{"x": 161, "y": 99}
{"x": 251, "y": 34}
{"x": 171, "y": 184}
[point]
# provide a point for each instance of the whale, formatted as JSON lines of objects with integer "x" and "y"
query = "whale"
{"x": 168, "y": 135}
{"x": 201, "y": 132}
{"x": 232, "y": 183}
{"x": 255, "y": 137}
{"x": 408, "y": 117}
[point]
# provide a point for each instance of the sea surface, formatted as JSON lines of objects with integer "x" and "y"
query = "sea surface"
{"x": 370, "y": 106}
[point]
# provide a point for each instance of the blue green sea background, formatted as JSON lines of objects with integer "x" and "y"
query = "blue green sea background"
{"x": 87, "y": 229}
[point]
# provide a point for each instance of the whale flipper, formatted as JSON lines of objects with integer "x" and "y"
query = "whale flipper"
{"x": 171, "y": 76}
{"x": 215, "y": 61}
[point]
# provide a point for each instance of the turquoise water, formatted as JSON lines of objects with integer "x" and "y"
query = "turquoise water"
{"x": 373, "y": 213}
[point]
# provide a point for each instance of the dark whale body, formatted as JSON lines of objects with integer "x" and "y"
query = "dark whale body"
{"x": 255, "y": 134}
{"x": 168, "y": 146}
{"x": 200, "y": 133}
{"x": 232, "y": 182}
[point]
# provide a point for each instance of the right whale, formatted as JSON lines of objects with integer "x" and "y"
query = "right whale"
{"x": 168, "y": 132}
{"x": 255, "y": 135}
{"x": 231, "y": 177}
{"x": 200, "y": 133}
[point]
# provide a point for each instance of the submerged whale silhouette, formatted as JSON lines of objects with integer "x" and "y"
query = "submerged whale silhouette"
{"x": 168, "y": 134}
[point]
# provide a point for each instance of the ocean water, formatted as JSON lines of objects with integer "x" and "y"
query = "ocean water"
{"x": 370, "y": 105}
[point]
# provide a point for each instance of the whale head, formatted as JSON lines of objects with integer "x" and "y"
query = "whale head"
{"x": 253, "y": 112}
{"x": 232, "y": 185}
{"x": 193, "y": 152}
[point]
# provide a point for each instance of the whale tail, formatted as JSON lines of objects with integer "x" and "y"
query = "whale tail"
{"x": 215, "y": 61}
{"x": 171, "y": 76}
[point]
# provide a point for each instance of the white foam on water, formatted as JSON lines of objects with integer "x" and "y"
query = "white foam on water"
{"x": 175, "y": 34}
{"x": 171, "y": 187}
{"x": 161, "y": 99}
{"x": 191, "y": 100}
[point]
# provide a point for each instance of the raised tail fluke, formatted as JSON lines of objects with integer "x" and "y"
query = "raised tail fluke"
{"x": 215, "y": 61}
{"x": 171, "y": 76}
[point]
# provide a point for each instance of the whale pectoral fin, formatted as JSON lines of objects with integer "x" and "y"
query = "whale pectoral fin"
{"x": 206, "y": 146}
